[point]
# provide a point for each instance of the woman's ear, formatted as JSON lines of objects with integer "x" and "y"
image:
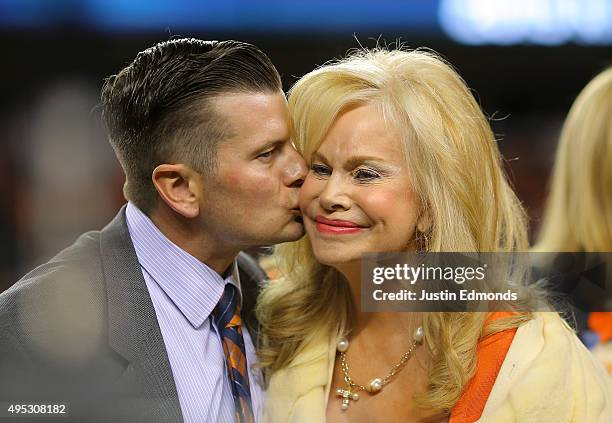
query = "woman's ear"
{"x": 424, "y": 222}
{"x": 179, "y": 186}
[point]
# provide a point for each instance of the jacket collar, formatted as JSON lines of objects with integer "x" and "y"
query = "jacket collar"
{"x": 310, "y": 371}
{"x": 133, "y": 330}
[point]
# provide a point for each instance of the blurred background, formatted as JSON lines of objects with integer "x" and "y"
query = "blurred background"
{"x": 526, "y": 61}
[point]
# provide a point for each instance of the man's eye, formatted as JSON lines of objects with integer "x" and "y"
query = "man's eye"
{"x": 365, "y": 175}
{"x": 266, "y": 155}
{"x": 320, "y": 170}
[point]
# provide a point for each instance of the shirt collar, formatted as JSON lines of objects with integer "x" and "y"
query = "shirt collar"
{"x": 191, "y": 285}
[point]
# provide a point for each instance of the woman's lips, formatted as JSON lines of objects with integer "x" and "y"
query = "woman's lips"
{"x": 336, "y": 227}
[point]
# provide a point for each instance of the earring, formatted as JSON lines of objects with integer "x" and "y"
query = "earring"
{"x": 424, "y": 247}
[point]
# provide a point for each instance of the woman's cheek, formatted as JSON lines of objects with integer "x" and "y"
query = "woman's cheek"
{"x": 308, "y": 192}
{"x": 392, "y": 207}
{"x": 376, "y": 203}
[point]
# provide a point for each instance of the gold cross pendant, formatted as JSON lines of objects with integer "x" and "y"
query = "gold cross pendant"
{"x": 347, "y": 396}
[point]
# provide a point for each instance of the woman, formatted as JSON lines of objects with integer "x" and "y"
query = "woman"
{"x": 578, "y": 214}
{"x": 402, "y": 159}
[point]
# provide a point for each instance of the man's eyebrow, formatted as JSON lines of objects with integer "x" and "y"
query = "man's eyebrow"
{"x": 272, "y": 144}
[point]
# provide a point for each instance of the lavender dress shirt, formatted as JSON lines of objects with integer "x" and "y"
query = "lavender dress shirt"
{"x": 184, "y": 292}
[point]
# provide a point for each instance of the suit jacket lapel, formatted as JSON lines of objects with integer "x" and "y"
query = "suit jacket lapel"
{"x": 251, "y": 279}
{"x": 132, "y": 323}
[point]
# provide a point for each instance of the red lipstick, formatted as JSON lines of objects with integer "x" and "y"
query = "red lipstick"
{"x": 336, "y": 227}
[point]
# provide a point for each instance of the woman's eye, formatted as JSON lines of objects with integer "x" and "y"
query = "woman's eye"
{"x": 365, "y": 174}
{"x": 320, "y": 170}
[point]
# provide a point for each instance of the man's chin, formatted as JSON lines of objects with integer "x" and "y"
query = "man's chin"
{"x": 292, "y": 232}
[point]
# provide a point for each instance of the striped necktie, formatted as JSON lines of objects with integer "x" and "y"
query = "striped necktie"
{"x": 226, "y": 316}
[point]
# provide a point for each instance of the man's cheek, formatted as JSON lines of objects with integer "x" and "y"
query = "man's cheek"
{"x": 261, "y": 186}
{"x": 233, "y": 179}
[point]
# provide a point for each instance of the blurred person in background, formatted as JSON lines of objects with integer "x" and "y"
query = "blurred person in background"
{"x": 402, "y": 159}
{"x": 578, "y": 213}
{"x": 150, "y": 318}
{"x": 58, "y": 201}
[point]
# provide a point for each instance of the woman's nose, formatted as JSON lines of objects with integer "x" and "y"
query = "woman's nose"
{"x": 334, "y": 196}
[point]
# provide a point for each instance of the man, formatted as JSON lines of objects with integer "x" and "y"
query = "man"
{"x": 145, "y": 320}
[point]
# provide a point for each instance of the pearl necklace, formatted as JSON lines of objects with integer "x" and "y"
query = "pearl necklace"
{"x": 376, "y": 384}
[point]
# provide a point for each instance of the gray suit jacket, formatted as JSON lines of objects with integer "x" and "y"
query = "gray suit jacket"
{"x": 81, "y": 329}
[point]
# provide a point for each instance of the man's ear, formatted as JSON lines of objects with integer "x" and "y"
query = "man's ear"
{"x": 179, "y": 186}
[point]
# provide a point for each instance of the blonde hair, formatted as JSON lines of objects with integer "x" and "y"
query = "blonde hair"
{"x": 578, "y": 214}
{"x": 457, "y": 172}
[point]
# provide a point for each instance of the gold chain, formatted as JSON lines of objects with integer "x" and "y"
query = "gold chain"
{"x": 355, "y": 387}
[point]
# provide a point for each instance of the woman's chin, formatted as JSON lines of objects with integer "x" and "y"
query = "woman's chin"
{"x": 338, "y": 261}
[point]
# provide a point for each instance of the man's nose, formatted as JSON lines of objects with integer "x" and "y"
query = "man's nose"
{"x": 296, "y": 170}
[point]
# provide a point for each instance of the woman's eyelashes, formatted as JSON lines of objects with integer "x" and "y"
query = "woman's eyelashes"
{"x": 320, "y": 170}
{"x": 365, "y": 174}
{"x": 361, "y": 174}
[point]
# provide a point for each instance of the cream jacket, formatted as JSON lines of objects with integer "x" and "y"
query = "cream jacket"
{"x": 547, "y": 376}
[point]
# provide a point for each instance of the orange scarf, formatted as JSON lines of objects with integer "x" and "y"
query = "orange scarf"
{"x": 491, "y": 352}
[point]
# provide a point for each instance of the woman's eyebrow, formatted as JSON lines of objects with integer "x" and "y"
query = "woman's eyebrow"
{"x": 318, "y": 156}
{"x": 355, "y": 161}
{"x": 352, "y": 161}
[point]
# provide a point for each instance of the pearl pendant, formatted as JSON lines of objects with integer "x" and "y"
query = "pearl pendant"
{"x": 342, "y": 345}
{"x": 346, "y": 395}
{"x": 418, "y": 334}
{"x": 375, "y": 385}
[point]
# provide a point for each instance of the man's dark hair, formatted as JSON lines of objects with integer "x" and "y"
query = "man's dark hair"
{"x": 158, "y": 109}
